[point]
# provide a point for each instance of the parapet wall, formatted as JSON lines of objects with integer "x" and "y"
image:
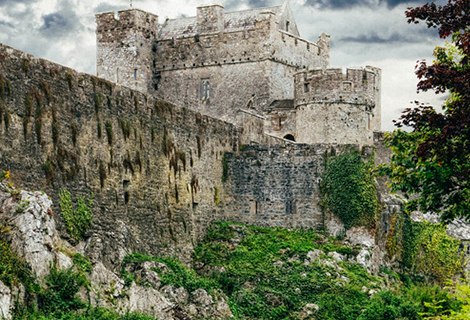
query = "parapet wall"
{"x": 356, "y": 86}
{"x": 113, "y": 28}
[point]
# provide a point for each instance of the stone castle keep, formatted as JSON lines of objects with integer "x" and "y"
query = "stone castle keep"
{"x": 189, "y": 121}
{"x": 237, "y": 65}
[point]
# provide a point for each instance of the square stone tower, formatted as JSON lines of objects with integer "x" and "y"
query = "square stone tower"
{"x": 124, "y": 47}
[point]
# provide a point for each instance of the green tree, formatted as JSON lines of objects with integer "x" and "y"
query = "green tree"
{"x": 432, "y": 160}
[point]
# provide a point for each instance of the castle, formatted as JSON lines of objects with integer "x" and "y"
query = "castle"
{"x": 250, "y": 68}
{"x": 189, "y": 122}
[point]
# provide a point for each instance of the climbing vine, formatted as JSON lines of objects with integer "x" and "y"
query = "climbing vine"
{"x": 348, "y": 189}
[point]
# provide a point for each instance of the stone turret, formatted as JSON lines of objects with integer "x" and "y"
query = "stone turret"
{"x": 337, "y": 107}
{"x": 210, "y": 18}
{"x": 124, "y": 47}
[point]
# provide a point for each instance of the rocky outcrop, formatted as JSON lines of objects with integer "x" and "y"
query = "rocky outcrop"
{"x": 5, "y": 301}
{"x": 33, "y": 235}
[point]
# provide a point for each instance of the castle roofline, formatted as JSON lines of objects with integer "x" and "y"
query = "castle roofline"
{"x": 210, "y": 5}
{"x": 124, "y": 10}
{"x": 233, "y": 21}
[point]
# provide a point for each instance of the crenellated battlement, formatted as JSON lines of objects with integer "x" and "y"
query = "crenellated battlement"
{"x": 112, "y": 27}
{"x": 356, "y": 86}
{"x": 219, "y": 62}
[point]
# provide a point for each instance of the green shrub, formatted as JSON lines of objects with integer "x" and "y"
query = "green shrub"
{"x": 428, "y": 250}
{"x": 388, "y": 306}
{"x": 61, "y": 292}
{"x": 178, "y": 274}
{"x": 79, "y": 220}
{"x": 14, "y": 270}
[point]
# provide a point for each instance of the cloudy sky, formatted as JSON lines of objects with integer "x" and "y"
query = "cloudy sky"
{"x": 363, "y": 32}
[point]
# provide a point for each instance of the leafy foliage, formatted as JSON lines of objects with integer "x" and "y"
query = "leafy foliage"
{"x": 79, "y": 220}
{"x": 424, "y": 248}
{"x": 349, "y": 189}
{"x": 178, "y": 275}
{"x": 61, "y": 293}
{"x": 265, "y": 276}
{"x": 14, "y": 270}
{"x": 432, "y": 159}
{"x": 90, "y": 314}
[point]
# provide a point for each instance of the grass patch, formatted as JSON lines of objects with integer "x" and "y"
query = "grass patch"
{"x": 265, "y": 276}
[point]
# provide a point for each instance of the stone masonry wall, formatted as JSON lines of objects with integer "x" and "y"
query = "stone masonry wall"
{"x": 155, "y": 169}
{"x": 276, "y": 186}
{"x": 333, "y": 107}
{"x": 124, "y": 47}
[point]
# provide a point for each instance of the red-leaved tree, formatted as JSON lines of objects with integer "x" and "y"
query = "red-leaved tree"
{"x": 433, "y": 160}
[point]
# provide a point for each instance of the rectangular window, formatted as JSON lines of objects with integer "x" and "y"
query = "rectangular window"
{"x": 368, "y": 121}
{"x": 291, "y": 207}
{"x": 306, "y": 87}
{"x": 117, "y": 75}
{"x": 205, "y": 90}
{"x": 135, "y": 74}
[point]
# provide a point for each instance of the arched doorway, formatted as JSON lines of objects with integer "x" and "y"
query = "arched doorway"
{"x": 289, "y": 137}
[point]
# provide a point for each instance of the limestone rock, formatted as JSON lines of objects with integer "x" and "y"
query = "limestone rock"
{"x": 63, "y": 261}
{"x": 144, "y": 271}
{"x": 210, "y": 307}
{"x": 106, "y": 286}
{"x": 148, "y": 301}
{"x": 6, "y": 303}
{"x": 34, "y": 229}
{"x": 337, "y": 256}
{"x": 360, "y": 236}
{"x": 178, "y": 295}
{"x": 201, "y": 298}
{"x": 278, "y": 263}
{"x": 314, "y": 254}
{"x": 308, "y": 312}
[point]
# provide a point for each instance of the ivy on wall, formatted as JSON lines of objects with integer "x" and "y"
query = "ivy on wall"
{"x": 424, "y": 248}
{"x": 348, "y": 189}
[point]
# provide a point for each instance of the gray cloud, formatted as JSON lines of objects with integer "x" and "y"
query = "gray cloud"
{"x": 419, "y": 34}
{"x": 106, "y": 7}
{"x": 3, "y": 2}
{"x": 259, "y": 3}
{"x": 7, "y": 24}
{"x": 346, "y": 4}
{"x": 375, "y": 38}
{"x": 62, "y": 22}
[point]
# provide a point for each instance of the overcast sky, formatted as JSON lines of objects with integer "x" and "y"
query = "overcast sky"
{"x": 363, "y": 32}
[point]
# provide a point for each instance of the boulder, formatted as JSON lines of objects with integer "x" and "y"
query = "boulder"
{"x": 6, "y": 302}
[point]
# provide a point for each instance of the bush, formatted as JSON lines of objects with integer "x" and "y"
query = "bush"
{"x": 61, "y": 292}
{"x": 79, "y": 220}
